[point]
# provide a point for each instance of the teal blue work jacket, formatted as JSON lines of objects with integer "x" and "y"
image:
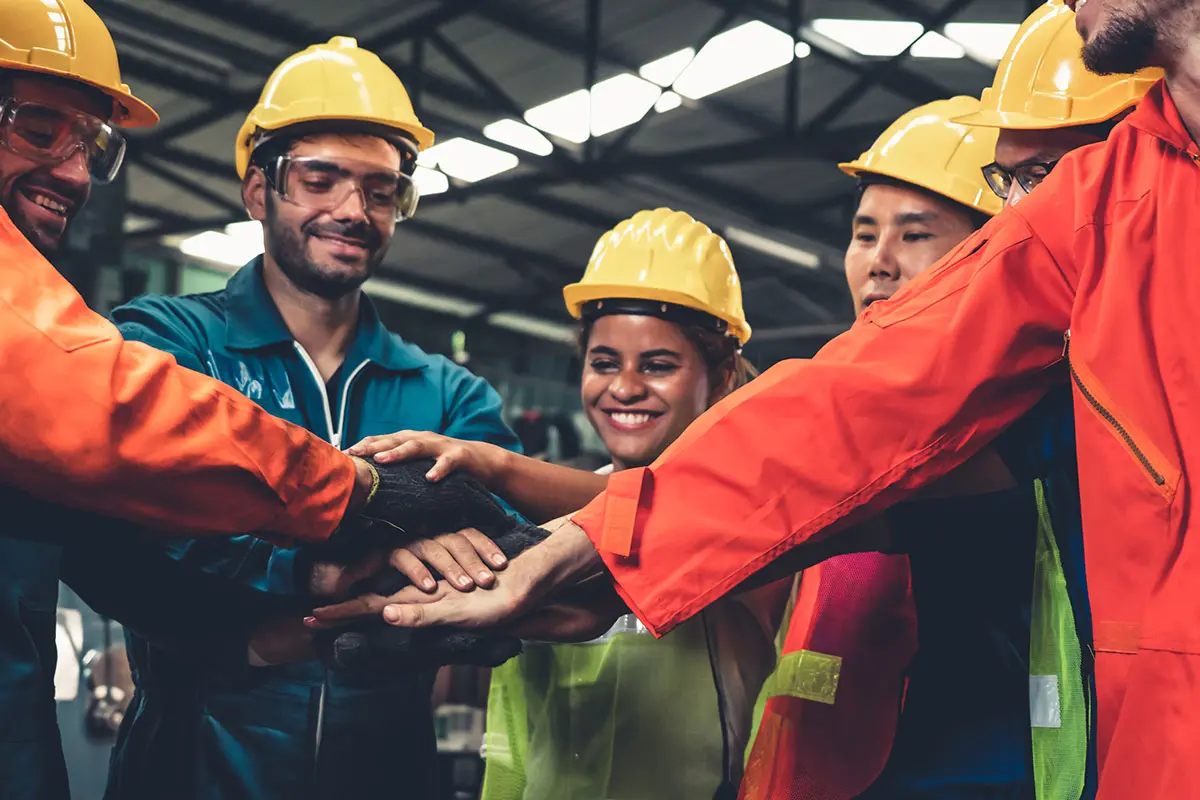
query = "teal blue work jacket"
{"x": 295, "y": 731}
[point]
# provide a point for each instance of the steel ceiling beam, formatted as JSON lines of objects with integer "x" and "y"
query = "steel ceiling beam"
{"x": 904, "y": 82}
{"x": 568, "y": 42}
{"x": 493, "y": 90}
{"x": 621, "y": 144}
{"x": 290, "y": 35}
{"x": 873, "y": 75}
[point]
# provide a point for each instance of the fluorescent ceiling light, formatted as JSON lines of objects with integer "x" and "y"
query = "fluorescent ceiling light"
{"x": 668, "y": 102}
{"x": 220, "y": 247}
{"x": 664, "y": 71}
{"x": 734, "y": 56}
{"x": 532, "y": 326}
{"x": 519, "y": 135}
{"x": 621, "y": 101}
{"x": 870, "y": 37}
{"x": 984, "y": 40}
{"x": 612, "y": 104}
{"x": 469, "y": 161}
{"x": 565, "y": 117}
{"x": 934, "y": 45}
{"x": 420, "y": 298}
{"x": 772, "y": 247}
{"x": 430, "y": 181}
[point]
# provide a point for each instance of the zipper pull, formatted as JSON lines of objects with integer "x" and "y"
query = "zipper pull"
{"x": 1066, "y": 342}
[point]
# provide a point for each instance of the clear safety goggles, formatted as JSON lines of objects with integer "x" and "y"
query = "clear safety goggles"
{"x": 324, "y": 184}
{"x": 1027, "y": 176}
{"x": 49, "y": 135}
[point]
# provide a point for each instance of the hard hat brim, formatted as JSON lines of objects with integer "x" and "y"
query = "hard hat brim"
{"x": 1015, "y": 121}
{"x": 128, "y": 110}
{"x": 577, "y": 294}
{"x": 855, "y": 169}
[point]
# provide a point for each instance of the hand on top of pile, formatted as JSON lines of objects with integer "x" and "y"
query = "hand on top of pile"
{"x": 400, "y": 539}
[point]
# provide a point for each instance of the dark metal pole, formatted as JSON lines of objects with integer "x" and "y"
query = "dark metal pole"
{"x": 591, "y": 65}
{"x": 792, "y": 100}
{"x": 416, "y": 81}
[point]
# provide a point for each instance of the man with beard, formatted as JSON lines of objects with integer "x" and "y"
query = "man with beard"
{"x": 326, "y": 159}
{"x": 88, "y": 420}
{"x": 1088, "y": 282}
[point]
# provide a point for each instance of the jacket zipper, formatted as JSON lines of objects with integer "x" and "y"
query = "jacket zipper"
{"x": 1158, "y": 478}
{"x": 335, "y": 438}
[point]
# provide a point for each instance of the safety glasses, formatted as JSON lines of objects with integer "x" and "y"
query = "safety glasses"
{"x": 324, "y": 184}
{"x": 49, "y": 135}
{"x": 1027, "y": 176}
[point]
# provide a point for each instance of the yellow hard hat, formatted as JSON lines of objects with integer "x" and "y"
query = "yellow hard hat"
{"x": 668, "y": 257}
{"x": 1042, "y": 83}
{"x": 65, "y": 38}
{"x": 927, "y": 149}
{"x": 337, "y": 81}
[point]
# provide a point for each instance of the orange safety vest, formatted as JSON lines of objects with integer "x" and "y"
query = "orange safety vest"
{"x": 92, "y": 421}
{"x": 1091, "y": 281}
{"x": 828, "y": 725}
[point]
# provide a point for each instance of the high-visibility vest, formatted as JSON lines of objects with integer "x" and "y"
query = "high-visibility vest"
{"x": 1059, "y": 706}
{"x": 628, "y": 716}
{"x": 831, "y": 726}
{"x": 831, "y": 707}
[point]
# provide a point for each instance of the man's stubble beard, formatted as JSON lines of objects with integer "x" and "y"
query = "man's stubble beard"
{"x": 288, "y": 250}
{"x": 1130, "y": 41}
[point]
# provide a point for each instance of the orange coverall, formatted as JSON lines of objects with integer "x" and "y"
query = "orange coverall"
{"x": 90, "y": 420}
{"x": 1093, "y": 279}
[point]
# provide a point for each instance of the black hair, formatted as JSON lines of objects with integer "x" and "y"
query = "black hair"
{"x": 866, "y": 180}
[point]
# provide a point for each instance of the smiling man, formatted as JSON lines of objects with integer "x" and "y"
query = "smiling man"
{"x": 326, "y": 159}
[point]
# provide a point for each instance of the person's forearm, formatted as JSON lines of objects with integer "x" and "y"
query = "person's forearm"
{"x": 541, "y": 490}
{"x": 93, "y": 421}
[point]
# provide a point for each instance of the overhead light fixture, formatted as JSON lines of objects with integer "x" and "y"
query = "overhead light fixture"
{"x": 773, "y": 248}
{"x": 987, "y": 41}
{"x": 519, "y": 135}
{"x": 430, "y": 181}
{"x": 467, "y": 160}
{"x": 420, "y": 298}
{"x": 565, "y": 117}
{"x": 612, "y": 104}
{"x": 238, "y": 244}
{"x": 621, "y": 101}
{"x": 669, "y": 101}
{"x": 871, "y": 37}
{"x": 533, "y": 326}
{"x": 735, "y": 56}
{"x": 803, "y": 50}
{"x": 666, "y": 70}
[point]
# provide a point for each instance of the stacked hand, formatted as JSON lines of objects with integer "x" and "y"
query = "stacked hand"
{"x": 404, "y": 517}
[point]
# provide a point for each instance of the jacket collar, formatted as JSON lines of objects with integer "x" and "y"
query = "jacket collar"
{"x": 253, "y": 322}
{"x": 1158, "y": 116}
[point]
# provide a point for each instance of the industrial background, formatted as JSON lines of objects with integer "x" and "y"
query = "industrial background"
{"x": 555, "y": 119}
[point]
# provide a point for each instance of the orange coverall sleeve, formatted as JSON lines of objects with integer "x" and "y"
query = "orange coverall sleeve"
{"x": 916, "y": 387}
{"x": 92, "y": 421}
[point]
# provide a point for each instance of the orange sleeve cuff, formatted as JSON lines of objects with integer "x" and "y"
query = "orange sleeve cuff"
{"x": 610, "y": 520}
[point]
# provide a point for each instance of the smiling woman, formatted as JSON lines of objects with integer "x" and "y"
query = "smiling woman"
{"x": 661, "y": 333}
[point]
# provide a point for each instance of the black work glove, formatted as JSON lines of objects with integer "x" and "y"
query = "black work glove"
{"x": 413, "y": 507}
{"x": 406, "y": 506}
